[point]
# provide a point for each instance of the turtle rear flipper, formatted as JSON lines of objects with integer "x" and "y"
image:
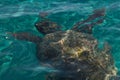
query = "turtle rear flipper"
{"x": 86, "y": 26}
{"x": 27, "y": 37}
{"x": 115, "y": 77}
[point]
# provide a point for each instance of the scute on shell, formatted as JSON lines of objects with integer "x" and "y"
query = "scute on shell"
{"x": 77, "y": 55}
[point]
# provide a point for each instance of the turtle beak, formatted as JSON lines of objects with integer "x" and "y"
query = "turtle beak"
{"x": 39, "y": 28}
{"x": 36, "y": 24}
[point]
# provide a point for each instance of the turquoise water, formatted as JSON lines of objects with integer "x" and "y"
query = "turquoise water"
{"x": 17, "y": 58}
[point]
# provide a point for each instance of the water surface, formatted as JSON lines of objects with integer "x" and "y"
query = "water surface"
{"x": 17, "y": 58}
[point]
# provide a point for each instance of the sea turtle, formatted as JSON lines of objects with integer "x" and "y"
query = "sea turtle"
{"x": 74, "y": 53}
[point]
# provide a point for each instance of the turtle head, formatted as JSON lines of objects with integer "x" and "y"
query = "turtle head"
{"x": 46, "y": 27}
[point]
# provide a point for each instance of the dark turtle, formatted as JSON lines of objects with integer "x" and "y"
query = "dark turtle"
{"x": 73, "y": 52}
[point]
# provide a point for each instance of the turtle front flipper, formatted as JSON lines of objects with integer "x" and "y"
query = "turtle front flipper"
{"x": 27, "y": 37}
{"x": 86, "y": 26}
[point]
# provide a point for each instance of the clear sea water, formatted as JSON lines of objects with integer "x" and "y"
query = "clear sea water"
{"x": 17, "y": 58}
